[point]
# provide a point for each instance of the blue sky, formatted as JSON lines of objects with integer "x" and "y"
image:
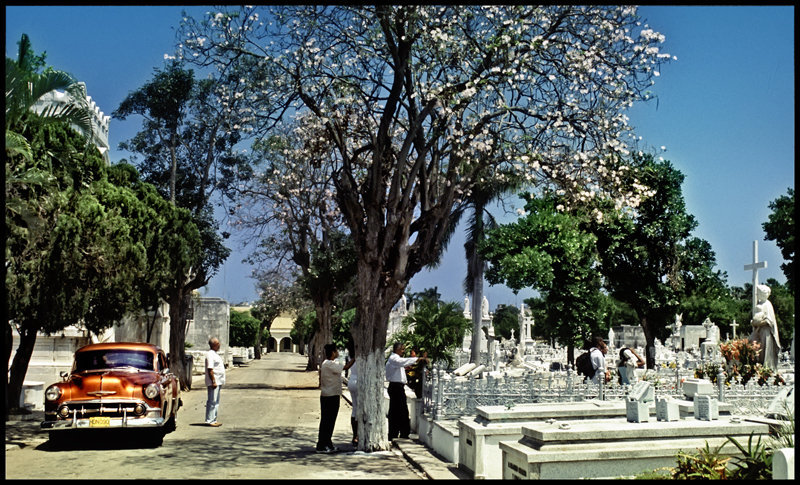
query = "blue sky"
{"x": 725, "y": 114}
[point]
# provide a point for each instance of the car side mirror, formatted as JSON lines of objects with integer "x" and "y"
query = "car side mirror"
{"x": 64, "y": 374}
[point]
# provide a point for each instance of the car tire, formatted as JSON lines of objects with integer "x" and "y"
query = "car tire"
{"x": 171, "y": 423}
{"x": 56, "y": 438}
{"x": 156, "y": 439}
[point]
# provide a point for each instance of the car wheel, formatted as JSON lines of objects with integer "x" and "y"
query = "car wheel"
{"x": 56, "y": 438}
{"x": 156, "y": 438}
{"x": 171, "y": 423}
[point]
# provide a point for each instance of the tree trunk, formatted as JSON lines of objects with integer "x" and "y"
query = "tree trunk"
{"x": 324, "y": 334}
{"x": 257, "y": 343}
{"x": 369, "y": 336}
{"x": 151, "y": 323}
{"x": 650, "y": 344}
{"x": 311, "y": 357}
{"x": 19, "y": 368}
{"x": 7, "y": 349}
{"x": 178, "y": 307}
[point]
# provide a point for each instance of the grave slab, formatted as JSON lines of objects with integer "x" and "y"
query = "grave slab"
{"x": 479, "y": 436}
{"x": 608, "y": 448}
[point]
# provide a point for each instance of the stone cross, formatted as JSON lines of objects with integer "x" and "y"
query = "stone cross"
{"x": 733, "y": 326}
{"x": 754, "y": 267}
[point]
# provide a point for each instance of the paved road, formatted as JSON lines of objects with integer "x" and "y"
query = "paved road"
{"x": 270, "y": 417}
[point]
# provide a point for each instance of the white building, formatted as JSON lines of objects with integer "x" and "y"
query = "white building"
{"x": 100, "y": 121}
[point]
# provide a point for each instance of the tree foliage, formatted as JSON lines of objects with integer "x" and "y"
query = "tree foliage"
{"x": 244, "y": 327}
{"x": 780, "y": 228}
{"x": 437, "y": 328}
{"x": 290, "y": 190}
{"x": 555, "y": 253}
{"x": 648, "y": 257}
{"x": 506, "y": 319}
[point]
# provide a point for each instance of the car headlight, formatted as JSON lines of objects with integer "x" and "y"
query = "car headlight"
{"x": 152, "y": 390}
{"x": 52, "y": 393}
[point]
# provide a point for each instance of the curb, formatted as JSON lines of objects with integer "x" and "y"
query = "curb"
{"x": 423, "y": 459}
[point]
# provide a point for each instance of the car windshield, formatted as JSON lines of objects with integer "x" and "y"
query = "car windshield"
{"x": 112, "y": 359}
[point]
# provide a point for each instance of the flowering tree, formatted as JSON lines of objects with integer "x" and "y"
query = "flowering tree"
{"x": 290, "y": 191}
{"x": 419, "y": 103}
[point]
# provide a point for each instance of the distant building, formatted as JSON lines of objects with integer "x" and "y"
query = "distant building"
{"x": 100, "y": 122}
{"x": 280, "y": 339}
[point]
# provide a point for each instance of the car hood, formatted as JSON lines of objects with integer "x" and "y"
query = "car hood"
{"x": 112, "y": 385}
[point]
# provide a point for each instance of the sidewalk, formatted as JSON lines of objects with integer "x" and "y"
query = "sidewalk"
{"x": 420, "y": 456}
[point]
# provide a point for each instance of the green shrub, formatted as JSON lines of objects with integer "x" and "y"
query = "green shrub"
{"x": 708, "y": 464}
{"x": 755, "y": 463}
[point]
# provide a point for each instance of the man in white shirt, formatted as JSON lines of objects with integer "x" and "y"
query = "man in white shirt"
{"x": 215, "y": 379}
{"x": 399, "y": 422}
{"x": 330, "y": 384}
{"x": 628, "y": 361}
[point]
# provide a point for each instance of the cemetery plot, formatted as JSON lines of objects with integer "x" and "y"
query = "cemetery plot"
{"x": 609, "y": 448}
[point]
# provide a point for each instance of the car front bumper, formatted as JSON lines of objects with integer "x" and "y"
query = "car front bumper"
{"x": 85, "y": 423}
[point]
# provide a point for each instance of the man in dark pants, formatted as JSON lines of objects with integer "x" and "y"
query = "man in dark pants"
{"x": 399, "y": 422}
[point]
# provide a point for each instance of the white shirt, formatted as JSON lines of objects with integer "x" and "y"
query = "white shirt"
{"x": 330, "y": 378}
{"x": 215, "y": 363}
{"x": 630, "y": 361}
{"x": 352, "y": 381}
{"x": 599, "y": 364}
{"x": 395, "y": 367}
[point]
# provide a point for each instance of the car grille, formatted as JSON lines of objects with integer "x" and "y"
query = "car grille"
{"x": 111, "y": 409}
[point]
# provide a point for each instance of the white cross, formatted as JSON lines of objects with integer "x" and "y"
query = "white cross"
{"x": 754, "y": 268}
{"x": 733, "y": 326}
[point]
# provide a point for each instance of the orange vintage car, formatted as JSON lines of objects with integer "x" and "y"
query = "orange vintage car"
{"x": 114, "y": 385}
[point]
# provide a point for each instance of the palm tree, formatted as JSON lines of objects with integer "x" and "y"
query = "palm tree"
{"x": 25, "y": 87}
{"x": 480, "y": 222}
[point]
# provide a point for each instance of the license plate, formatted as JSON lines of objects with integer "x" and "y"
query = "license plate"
{"x": 99, "y": 422}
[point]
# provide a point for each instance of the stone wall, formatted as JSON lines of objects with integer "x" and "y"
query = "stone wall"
{"x": 212, "y": 318}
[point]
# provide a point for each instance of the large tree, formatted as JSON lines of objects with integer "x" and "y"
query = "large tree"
{"x": 75, "y": 259}
{"x": 171, "y": 239}
{"x": 648, "y": 257}
{"x": 186, "y": 148}
{"x": 551, "y": 250}
{"x": 419, "y": 103}
{"x": 480, "y": 221}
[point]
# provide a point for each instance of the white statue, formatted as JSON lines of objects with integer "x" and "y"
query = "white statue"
{"x": 611, "y": 337}
{"x": 712, "y": 331}
{"x": 485, "y": 308}
{"x": 676, "y": 327}
{"x": 765, "y": 329}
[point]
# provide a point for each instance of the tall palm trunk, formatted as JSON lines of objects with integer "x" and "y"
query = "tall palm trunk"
{"x": 474, "y": 279}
